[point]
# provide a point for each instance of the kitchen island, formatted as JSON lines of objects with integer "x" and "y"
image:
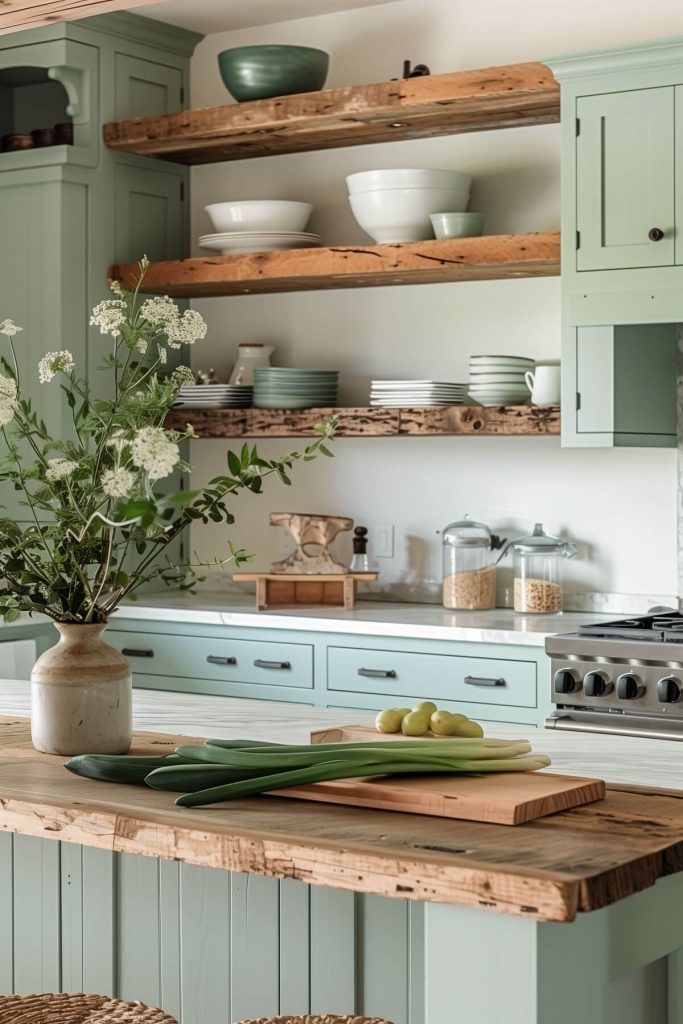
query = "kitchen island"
{"x": 271, "y": 904}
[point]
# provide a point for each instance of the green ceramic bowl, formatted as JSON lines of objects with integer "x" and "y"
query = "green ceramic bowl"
{"x": 258, "y": 72}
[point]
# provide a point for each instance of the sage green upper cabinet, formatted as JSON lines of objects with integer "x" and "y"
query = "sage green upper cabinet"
{"x": 625, "y": 180}
{"x": 145, "y": 85}
{"x": 622, "y": 185}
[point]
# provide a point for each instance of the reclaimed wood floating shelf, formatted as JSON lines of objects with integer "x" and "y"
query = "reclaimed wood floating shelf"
{"x": 489, "y": 257}
{"x": 375, "y": 421}
{"x": 412, "y": 108}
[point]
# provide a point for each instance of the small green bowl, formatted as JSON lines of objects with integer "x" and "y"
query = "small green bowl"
{"x": 259, "y": 72}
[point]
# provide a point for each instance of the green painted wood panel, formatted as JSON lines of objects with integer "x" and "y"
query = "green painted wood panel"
{"x": 137, "y": 929}
{"x": 170, "y": 937}
{"x": 205, "y": 945}
{"x": 150, "y": 209}
{"x": 71, "y": 867}
{"x": 99, "y": 921}
{"x": 254, "y": 946}
{"x": 384, "y": 942}
{"x": 625, "y": 179}
{"x": 36, "y": 915}
{"x": 6, "y": 912}
{"x": 145, "y": 88}
{"x": 295, "y": 947}
{"x": 333, "y": 951}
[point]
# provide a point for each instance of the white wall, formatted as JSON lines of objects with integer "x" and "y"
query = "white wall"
{"x": 620, "y": 505}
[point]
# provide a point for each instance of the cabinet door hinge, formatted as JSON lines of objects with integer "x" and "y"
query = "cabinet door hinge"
{"x": 578, "y": 127}
{"x": 578, "y": 400}
{"x": 182, "y": 191}
{"x": 578, "y": 239}
{"x": 182, "y": 95}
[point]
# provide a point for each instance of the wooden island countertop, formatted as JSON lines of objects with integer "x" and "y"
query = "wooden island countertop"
{"x": 548, "y": 870}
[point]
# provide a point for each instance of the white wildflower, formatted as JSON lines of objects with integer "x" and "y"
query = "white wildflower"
{"x": 117, "y": 483}
{"x": 8, "y": 388}
{"x": 9, "y": 328}
{"x": 116, "y": 288}
{"x": 186, "y": 329}
{"x": 141, "y": 345}
{"x": 162, "y": 354}
{"x": 53, "y": 363}
{"x": 58, "y": 469}
{"x": 118, "y": 441}
{"x": 153, "y": 451}
{"x": 182, "y": 376}
{"x": 110, "y": 316}
{"x": 159, "y": 311}
{"x": 7, "y": 407}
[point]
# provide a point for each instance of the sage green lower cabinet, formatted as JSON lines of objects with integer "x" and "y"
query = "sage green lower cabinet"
{"x": 214, "y": 947}
{"x": 489, "y": 682}
{"x": 619, "y": 386}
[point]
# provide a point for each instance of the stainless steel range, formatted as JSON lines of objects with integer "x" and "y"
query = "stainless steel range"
{"x": 621, "y": 677}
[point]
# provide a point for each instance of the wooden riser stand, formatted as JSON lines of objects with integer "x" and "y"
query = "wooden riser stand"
{"x": 337, "y": 590}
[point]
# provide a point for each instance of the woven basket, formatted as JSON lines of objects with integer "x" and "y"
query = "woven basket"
{"x": 326, "y": 1018}
{"x": 76, "y": 1008}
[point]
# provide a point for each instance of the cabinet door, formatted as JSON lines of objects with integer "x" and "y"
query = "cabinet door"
{"x": 625, "y": 180}
{"x": 146, "y": 89}
{"x": 149, "y": 213}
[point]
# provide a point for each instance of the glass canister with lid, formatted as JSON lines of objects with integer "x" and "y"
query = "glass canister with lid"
{"x": 537, "y": 571}
{"x": 469, "y": 570}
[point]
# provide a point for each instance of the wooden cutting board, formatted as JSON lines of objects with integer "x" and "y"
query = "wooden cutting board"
{"x": 503, "y": 799}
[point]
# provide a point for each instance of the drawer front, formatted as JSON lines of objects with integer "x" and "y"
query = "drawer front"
{"x": 453, "y": 678}
{"x": 201, "y": 657}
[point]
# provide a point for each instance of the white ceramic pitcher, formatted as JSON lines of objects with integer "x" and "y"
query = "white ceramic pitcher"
{"x": 249, "y": 356}
{"x": 544, "y": 384}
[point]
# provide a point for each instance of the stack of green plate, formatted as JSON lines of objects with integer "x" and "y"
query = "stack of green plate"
{"x": 280, "y": 387}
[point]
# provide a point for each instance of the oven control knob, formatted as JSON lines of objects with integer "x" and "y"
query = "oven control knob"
{"x": 566, "y": 681}
{"x": 597, "y": 684}
{"x": 629, "y": 687}
{"x": 669, "y": 690}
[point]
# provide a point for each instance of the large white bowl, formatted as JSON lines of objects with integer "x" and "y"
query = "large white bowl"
{"x": 260, "y": 215}
{"x": 402, "y": 177}
{"x": 402, "y": 214}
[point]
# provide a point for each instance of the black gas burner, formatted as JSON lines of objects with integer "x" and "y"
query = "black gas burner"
{"x": 653, "y": 628}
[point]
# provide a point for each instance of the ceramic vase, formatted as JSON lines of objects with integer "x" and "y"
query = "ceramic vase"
{"x": 81, "y": 695}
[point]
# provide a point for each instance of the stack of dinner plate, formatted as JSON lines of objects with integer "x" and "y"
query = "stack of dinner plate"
{"x": 281, "y": 387}
{"x": 214, "y": 396}
{"x": 416, "y": 392}
{"x": 233, "y": 243}
{"x": 499, "y": 380}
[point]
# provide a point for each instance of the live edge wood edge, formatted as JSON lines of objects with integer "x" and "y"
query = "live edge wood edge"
{"x": 435, "y": 261}
{"x": 373, "y": 421}
{"x": 548, "y": 870}
{"x": 463, "y": 101}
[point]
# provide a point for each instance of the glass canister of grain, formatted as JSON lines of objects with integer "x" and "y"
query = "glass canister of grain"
{"x": 537, "y": 571}
{"x": 469, "y": 571}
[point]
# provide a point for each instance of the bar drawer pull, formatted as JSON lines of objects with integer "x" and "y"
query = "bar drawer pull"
{"x": 377, "y": 673}
{"x": 137, "y": 652}
{"x": 260, "y": 663}
{"x": 216, "y": 659}
{"x": 481, "y": 681}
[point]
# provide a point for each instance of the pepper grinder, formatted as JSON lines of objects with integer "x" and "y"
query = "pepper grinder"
{"x": 359, "y": 562}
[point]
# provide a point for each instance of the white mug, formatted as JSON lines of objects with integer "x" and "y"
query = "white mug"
{"x": 544, "y": 385}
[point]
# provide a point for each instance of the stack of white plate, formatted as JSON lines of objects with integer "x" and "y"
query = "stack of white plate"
{"x": 232, "y": 243}
{"x": 398, "y": 393}
{"x": 284, "y": 387}
{"x": 214, "y": 396}
{"x": 499, "y": 380}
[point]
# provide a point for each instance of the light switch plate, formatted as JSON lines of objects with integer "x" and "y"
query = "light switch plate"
{"x": 382, "y": 541}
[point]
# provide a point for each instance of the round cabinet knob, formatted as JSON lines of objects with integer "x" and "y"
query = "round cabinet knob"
{"x": 655, "y": 234}
{"x": 566, "y": 681}
{"x": 669, "y": 690}
{"x": 629, "y": 687}
{"x": 597, "y": 684}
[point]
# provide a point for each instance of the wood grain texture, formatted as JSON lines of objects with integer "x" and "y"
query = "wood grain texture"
{"x": 462, "y": 101}
{"x": 373, "y": 421}
{"x": 484, "y": 258}
{"x": 500, "y": 799}
{"x": 550, "y": 869}
{"x": 22, "y": 14}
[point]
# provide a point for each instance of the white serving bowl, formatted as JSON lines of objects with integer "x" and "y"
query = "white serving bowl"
{"x": 368, "y": 181}
{"x": 457, "y": 225}
{"x": 402, "y": 214}
{"x": 260, "y": 215}
{"x": 484, "y": 379}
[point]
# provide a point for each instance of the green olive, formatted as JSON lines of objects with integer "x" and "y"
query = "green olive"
{"x": 415, "y": 724}
{"x": 427, "y": 706}
{"x": 389, "y": 720}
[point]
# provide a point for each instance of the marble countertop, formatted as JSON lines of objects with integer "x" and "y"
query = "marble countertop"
{"x": 618, "y": 759}
{"x": 369, "y": 618}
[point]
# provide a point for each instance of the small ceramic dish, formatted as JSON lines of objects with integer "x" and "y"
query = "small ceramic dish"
{"x": 457, "y": 225}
